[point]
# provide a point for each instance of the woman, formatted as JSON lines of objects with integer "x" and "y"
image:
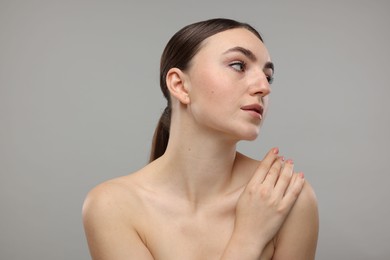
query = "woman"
{"x": 199, "y": 198}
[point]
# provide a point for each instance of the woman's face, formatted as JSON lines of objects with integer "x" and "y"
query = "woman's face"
{"x": 228, "y": 83}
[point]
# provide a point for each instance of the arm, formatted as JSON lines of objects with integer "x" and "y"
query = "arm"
{"x": 110, "y": 236}
{"x": 297, "y": 239}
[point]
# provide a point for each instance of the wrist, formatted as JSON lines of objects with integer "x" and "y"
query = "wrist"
{"x": 242, "y": 247}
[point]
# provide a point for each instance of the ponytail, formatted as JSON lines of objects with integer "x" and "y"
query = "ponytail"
{"x": 161, "y": 135}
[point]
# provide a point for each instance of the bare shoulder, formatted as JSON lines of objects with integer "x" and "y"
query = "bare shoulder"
{"x": 297, "y": 239}
{"x": 110, "y": 216}
{"x": 304, "y": 209}
{"x": 111, "y": 194}
{"x": 246, "y": 165}
{"x": 116, "y": 199}
{"x": 247, "y": 160}
{"x": 307, "y": 199}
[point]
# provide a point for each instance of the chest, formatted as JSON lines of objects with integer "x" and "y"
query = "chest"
{"x": 173, "y": 233}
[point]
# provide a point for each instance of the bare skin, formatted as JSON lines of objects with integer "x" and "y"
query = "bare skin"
{"x": 202, "y": 199}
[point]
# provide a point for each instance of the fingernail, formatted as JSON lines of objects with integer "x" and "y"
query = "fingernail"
{"x": 302, "y": 175}
{"x": 290, "y": 161}
{"x": 282, "y": 158}
{"x": 276, "y": 150}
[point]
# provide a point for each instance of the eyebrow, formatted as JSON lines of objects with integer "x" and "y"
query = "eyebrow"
{"x": 249, "y": 54}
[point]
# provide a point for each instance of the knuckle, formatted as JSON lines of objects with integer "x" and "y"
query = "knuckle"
{"x": 277, "y": 164}
{"x": 263, "y": 167}
{"x": 274, "y": 171}
{"x": 265, "y": 192}
{"x": 250, "y": 189}
{"x": 295, "y": 193}
{"x": 291, "y": 197}
{"x": 286, "y": 177}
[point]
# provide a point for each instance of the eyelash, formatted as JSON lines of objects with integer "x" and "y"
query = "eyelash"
{"x": 240, "y": 63}
{"x": 270, "y": 79}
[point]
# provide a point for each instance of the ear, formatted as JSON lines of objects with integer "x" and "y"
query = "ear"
{"x": 176, "y": 83}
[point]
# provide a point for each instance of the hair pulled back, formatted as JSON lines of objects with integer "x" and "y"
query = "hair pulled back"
{"x": 178, "y": 53}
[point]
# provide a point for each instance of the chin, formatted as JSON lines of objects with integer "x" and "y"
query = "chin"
{"x": 251, "y": 138}
{"x": 249, "y": 135}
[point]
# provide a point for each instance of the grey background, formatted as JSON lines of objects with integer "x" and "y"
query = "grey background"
{"x": 79, "y": 100}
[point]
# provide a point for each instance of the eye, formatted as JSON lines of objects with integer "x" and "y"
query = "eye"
{"x": 238, "y": 65}
{"x": 270, "y": 79}
{"x": 269, "y": 74}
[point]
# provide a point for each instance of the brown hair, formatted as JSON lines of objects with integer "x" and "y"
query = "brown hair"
{"x": 179, "y": 51}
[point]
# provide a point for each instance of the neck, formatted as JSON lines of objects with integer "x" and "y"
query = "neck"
{"x": 198, "y": 165}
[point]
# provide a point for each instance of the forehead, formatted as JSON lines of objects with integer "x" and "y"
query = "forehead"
{"x": 220, "y": 42}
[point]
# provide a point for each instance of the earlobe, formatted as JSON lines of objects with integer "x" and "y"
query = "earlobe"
{"x": 176, "y": 83}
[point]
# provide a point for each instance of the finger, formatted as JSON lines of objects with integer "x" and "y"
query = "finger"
{"x": 273, "y": 174}
{"x": 264, "y": 166}
{"x": 293, "y": 191}
{"x": 294, "y": 178}
{"x": 284, "y": 178}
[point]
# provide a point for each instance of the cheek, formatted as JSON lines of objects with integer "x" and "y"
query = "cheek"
{"x": 210, "y": 86}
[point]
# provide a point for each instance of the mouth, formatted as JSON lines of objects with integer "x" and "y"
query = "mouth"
{"x": 255, "y": 109}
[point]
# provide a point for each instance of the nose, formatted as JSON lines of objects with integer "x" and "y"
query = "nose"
{"x": 260, "y": 85}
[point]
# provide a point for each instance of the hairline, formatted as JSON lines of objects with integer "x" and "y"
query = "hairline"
{"x": 205, "y": 41}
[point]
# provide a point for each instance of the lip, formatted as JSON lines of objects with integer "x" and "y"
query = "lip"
{"x": 255, "y": 110}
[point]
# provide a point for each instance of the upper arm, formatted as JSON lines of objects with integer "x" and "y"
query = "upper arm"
{"x": 297, "y": 239}
{"x": 108, "y": 228}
